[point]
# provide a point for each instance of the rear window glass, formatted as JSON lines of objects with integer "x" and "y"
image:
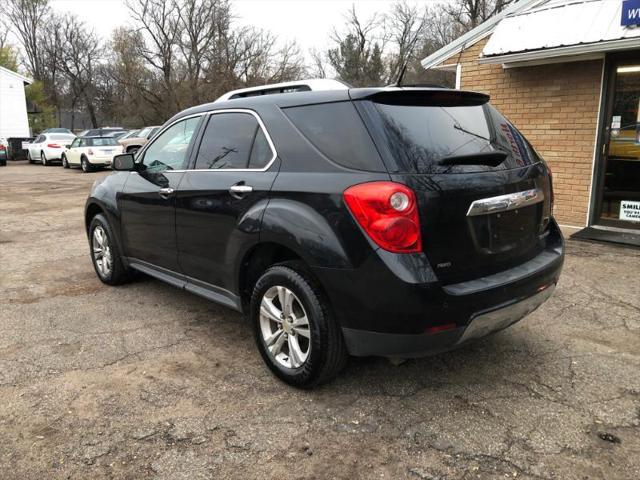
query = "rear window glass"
{"x": 227, "y": 141}
{"x": 428, "y": 139}
{"x": 61, "y": 137}
{"x": 338, "y": 132}
{"x": 101, "y": 142}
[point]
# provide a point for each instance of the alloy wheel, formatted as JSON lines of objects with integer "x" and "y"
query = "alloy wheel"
{"x": 84, "y": 165}
{"x": 101, "y": 249}
{"x": 43, "y": 159}
{"x": 285, "y": 328}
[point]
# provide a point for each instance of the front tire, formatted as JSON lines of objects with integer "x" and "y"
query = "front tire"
{"x": 294, "y": 328}
{"x": 105, "y": 256}
{"x": 65, "y": 163}
{"x": 43, "y": 159}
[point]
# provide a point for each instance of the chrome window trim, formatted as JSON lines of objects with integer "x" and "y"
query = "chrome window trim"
{"x": 139, "y": 157}
{"x": 504, "y": 203}
{"x": 209, "y": 113}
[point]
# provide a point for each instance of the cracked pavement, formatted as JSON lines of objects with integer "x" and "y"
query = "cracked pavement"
{"x": 146, "y": 381}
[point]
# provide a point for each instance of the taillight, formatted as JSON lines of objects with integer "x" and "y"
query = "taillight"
{"x": 2, "y": 147}
{"x": 388, "y": 213}
{"x": 53, "y": 145}
{"x": 90, "y": 152}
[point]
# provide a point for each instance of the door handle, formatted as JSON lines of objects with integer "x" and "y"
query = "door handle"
{"x": 240, "y": 189}
{"x": 165, "y": 192}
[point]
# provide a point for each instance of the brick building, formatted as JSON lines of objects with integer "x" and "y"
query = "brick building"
{"x": 567, "y": 74}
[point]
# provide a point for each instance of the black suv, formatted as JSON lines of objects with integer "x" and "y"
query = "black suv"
{"x": 380, "y": 221}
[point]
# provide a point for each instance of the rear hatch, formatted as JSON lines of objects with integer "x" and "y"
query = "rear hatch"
{"x": 453, "y": 149}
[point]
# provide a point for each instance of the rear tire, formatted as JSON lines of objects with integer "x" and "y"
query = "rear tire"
{"x": 107, "y": 262}
{"x": 85, "y": 165}
{"x": 325, "y": 354}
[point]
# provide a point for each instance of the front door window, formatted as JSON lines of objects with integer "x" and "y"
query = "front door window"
{"x": 620, "y": 201}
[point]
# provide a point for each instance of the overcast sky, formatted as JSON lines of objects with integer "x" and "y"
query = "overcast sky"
{"x": 307, "y": 21}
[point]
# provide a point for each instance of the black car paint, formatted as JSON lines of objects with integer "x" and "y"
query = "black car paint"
{"x": 297, "y": 203}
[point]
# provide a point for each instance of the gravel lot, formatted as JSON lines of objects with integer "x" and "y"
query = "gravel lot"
{"x": 146, "y": 381}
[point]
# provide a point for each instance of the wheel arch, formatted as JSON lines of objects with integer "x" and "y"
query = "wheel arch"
{"x": 256, "y": 261}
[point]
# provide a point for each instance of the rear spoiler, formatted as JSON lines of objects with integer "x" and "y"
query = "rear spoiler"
{"x": 427, "y": 97}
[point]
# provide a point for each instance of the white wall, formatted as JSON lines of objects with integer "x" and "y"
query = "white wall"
{"x": 13, "y": 107}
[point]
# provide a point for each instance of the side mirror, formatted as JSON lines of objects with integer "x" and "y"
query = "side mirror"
{"x": 67, "y": 146}
{"x": 124, "y": 162}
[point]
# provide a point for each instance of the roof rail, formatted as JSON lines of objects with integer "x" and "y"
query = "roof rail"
{"x": 308, "y": 85}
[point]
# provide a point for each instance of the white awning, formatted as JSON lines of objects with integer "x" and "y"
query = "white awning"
{"x": 560, "y": 28}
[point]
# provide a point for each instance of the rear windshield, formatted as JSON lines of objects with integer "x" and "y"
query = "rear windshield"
{"x": 446, "y": 139}
{"x": 101, "y": 142}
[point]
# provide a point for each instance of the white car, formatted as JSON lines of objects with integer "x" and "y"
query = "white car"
{"x": 91, "y": 152}
{"x": 48, "y": 147}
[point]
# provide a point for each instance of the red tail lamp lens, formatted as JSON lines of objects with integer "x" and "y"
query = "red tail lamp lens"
{"x": 53, "y": 145}
{"x": 388, "y": 213}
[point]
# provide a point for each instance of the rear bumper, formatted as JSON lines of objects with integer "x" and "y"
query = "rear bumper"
{"x": 102, "y": 161}
{"x": 382, "y": 314}
{"x": 364, "y": 343}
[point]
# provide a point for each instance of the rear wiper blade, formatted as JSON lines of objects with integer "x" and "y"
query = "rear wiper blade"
{"x": 457, "y": 126}
{"x": 490, "y": 159}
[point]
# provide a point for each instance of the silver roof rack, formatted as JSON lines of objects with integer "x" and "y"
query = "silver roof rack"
{"x": 313, "y": 84}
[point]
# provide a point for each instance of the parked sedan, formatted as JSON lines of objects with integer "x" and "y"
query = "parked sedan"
{"x": 89, "y": 153}
{"x": 133, "y": 144}
{"x": 48, "y": 147}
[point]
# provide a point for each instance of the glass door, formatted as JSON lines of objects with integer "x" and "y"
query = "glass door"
{"x": 619, "y": 202}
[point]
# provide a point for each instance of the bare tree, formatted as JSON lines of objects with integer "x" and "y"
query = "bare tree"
{"x": 357, "y": 55}
{"x": 471, "y": 13}
{"x": 79, "y": 60}
{"x": 159, "y": 22}
{"x": 28, "y": 18}
{"x": 406, "y": 27}
{"x": 202, "y": 24}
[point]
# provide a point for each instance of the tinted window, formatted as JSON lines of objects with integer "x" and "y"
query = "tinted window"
{"x": 338, "y": 132}
{"x": 101, "y": 142}
{"x": 422, "y": 139}
{"x": 261, "y": 153}
{"x": 76, "y": 143}
{"x": 169, "y": 150}
{"x": 509, "y": 139}
{"x": 227, "y": 141}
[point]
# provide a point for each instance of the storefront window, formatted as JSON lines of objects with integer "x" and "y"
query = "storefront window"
{"x": 620, "y": 203}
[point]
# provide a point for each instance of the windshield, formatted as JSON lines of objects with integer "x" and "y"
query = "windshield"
{"x": 101, "y": 142}
{"x": 436, "y": 139}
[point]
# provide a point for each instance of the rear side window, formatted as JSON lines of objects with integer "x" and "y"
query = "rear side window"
{"x": 427, "y": 139}
{"x": 233, "y": 141}
{"x": 338, "y": 132}
{"x": 101, "y": 142}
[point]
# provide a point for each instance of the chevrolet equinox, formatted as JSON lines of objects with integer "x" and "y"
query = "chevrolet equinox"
{"x": 396, "y": 222}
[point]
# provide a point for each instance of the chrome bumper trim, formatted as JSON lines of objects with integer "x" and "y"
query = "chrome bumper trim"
{"x": 485, "y": 323}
